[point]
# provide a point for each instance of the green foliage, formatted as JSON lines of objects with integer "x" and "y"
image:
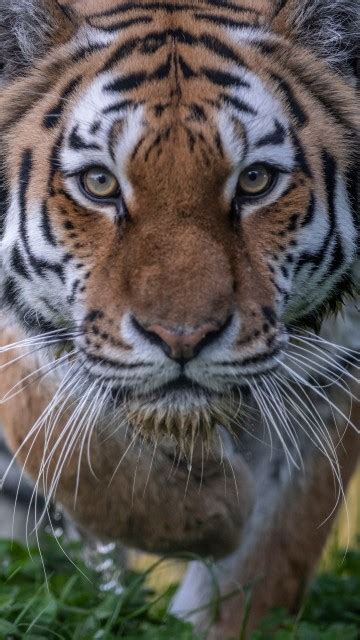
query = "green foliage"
{"x": 331, "y": 610}
{"x": 71, "y": 605}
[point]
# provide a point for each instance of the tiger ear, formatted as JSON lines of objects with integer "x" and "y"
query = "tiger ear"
{"x": 28, "y": 28}
{"x": 330, "y": 28}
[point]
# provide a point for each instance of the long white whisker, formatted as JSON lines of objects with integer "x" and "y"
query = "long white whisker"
{"x": 19, "y": 386}
{"x": 316, "y": 340}
{"x": 331, "y": 362}
{"x": 303, "y": 381}
{"x": 304, "y": 363}
{"x": 259, "y": 397}
{"x": 278, "y": 404}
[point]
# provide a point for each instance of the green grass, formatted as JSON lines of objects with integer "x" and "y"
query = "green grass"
{"x": 72, "y": 607}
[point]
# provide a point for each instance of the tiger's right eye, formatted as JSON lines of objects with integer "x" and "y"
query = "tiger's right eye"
{"x": 99, "y": 183}
{"x": 255, "y": 181}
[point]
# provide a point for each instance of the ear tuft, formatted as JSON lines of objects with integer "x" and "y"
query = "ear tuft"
{"x": 330, "y": 28}
{"x": 27, "y": 30}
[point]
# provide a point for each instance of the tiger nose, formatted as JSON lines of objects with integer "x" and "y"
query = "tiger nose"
{"x": 182, "y": 346}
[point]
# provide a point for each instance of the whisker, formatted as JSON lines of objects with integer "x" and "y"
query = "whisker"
{"x": 303, "y": 381}
{"x": 331, "y": 362}
{"x": 304, "y": 363}
{"x": 266, "y": 412}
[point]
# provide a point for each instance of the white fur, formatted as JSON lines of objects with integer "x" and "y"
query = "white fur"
{"x": 331, "y": 28}
{"x": 259, "y": 98}
{"x": 88, "y": 109}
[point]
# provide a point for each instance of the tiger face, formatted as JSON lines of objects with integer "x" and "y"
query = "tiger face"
{"x": 178, "y": 196}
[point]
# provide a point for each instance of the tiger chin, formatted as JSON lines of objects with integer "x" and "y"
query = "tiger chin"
{"x": 179, "y": 279}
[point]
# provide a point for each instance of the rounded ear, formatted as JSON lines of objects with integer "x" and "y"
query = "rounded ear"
{"x": 330, "y": 28}
{"x": 28, "y": 28}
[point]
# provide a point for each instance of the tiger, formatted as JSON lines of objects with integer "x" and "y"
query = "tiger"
{"x": 178, "y": 280}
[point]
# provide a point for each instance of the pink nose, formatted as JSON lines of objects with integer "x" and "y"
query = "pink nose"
{"x": 179, "y": 345}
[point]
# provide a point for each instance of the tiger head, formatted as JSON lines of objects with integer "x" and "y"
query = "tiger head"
{"x": 177, "y": 189}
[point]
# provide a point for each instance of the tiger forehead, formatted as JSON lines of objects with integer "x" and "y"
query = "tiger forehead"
{"x": 181, "y": 90}
{"x": 102, "y": 13}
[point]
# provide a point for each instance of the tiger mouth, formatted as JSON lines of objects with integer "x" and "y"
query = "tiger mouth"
{"x": 182, "y": 386}
{"x": 181, "y": 409}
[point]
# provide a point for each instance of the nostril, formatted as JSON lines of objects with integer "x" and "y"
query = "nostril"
{"x": 150, "y": 336}
{"x": 182, "y": 344}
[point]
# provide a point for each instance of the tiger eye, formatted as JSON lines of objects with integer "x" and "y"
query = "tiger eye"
{"x": 255, "y": 180}
{"x": 100, "y": 183}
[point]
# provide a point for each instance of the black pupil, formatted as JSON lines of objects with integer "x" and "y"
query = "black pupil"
{"x": 253, "y": 175}
{"x": 102, "y": 178}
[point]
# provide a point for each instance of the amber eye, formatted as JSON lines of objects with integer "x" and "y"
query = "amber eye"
{"x": 255, "y": 180}
{"x": 100, "y": 183}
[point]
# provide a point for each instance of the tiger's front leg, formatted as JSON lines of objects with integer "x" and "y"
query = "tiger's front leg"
{"x": 130, "y": 493}
{"x": 282, "y": 539}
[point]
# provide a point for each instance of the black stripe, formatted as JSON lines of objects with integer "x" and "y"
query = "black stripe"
{"x": 261, "y": 357}
{"x": 112, "y": 363}
{"x": 136, "y": 80}
{"x": 219, "y": 48}
{"x": 233, "y": 7}
{"x": 18, "y": 263}
{"x": 40, "y": 266}
{"x": 275, "y": 137}
{"x": 239, "y": 105}
{"x": 10, "y": 293}
{"x": 133, "y": 6}
{"x": 46, "y": 226}
{"x": 186, "y": 70}
{"x": 330, "y": 172}
{"x": 95, "y": 127}
{"x": 266, "y": 47}
{"x": 71, "y": 298}
{"x": 127, "y": 83}
{"x": 337, "y": 257}
{"x": 122, "y": 24}
{"x": 157, "y": 39}
{"x": 280, "y": 5}
{"x": 120, "y": 106}
{"x": 353, "y": 189}
{"x": 223, "y": 78}
{"x": 162, "y": 71}
{"x": 54, "y": 163}
{"x": 310, "y": 213}
{"x": 51, "y": 119}
{"x": 35, "y": 94}
{"x": 292, "y": 224}
{"x": 77, "y": 143}
{"x": 197, "y": 112}
{"x": 171, "y": 8}
{"x": 297, "y": 112}
{"x": 85, "y": 52}
{"x": 322, "y": 91}
{"x": 121, "y": 53}
{"x": 159, "y": 138}
{"x": 137, "y": 147}
{"x": 224, "y": 21}
{"x": 4, "y": 200}
{"x": 300, "y": 156}
{"x": 153, "y": 42}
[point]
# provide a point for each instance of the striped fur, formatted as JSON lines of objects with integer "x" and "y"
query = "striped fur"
{"x": 176, "y": 99}
{"x": 207, "y": 90}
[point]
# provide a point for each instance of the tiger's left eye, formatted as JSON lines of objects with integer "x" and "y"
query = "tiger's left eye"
{"x": 100, "y": 183}
{"x": 255, "y": 180}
